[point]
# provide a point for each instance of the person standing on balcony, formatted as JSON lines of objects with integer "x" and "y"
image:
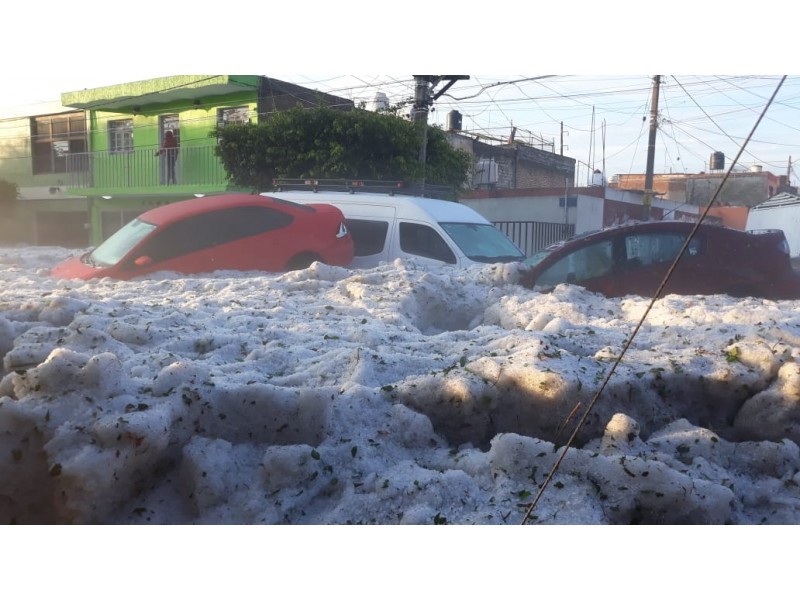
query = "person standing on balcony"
{"x": 169, "y": 149}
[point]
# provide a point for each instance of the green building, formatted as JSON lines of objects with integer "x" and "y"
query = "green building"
{"x": 92, "y": 163}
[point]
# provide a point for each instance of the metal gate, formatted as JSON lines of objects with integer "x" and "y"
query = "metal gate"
{"x": 532, "y": 236}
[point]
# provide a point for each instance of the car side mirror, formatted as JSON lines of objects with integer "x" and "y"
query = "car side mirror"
{"x": 143, "y": 261}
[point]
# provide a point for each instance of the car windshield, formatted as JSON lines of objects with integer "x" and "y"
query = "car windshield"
{"x": 483, "y": 242}
{"x": 118, "y": 245}
{"x": 534, "y": 260}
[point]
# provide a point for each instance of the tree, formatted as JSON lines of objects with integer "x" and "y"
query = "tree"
{"x": 329, "y": 144}
{"x": 9, "y": 193}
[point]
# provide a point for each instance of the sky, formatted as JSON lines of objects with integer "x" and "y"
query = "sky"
{"x": 396, "y": 395}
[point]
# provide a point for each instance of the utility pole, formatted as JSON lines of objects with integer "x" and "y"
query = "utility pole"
{"x": 423, "y": 100}
{"x": 651, "y": 149}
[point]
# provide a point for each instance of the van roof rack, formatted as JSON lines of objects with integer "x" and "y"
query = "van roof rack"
{"x": 342, "y": 185}
{"x": 363, "y": 185}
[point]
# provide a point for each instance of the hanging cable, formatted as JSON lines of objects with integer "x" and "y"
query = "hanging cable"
{"x": 658, "y": 292}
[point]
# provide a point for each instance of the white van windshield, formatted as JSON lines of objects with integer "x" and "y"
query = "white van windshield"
{"x": 483, "y": 243}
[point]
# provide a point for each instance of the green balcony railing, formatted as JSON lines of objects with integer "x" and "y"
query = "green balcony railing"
{"x": 143, "y": 169}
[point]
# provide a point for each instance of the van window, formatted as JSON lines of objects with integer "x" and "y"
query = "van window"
{"x": 422, "y": 240}
{"x": 483, "y": 243}
{"x": 369, "y": 237}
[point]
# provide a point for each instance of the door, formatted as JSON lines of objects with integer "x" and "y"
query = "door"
{"x": 169, "y": 139}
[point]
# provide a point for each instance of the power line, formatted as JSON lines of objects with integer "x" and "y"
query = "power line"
{"x": 539, "y": 103}
{"x": 644, "y": 316}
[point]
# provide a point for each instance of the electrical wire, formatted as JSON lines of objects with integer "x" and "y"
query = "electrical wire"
{"x": 559, "y": 107}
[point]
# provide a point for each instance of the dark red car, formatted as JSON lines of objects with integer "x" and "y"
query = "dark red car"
{"x": 233, "y": 231}
{"x": 634, "y": 258}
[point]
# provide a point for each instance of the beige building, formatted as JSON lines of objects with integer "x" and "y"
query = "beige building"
{"x": 746, "y": 188}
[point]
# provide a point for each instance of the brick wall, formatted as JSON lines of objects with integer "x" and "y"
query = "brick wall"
{"x": 519, "y": 165}
{"x": 741, "y": 189}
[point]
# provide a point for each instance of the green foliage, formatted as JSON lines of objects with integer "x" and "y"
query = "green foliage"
{"x": 9, "y": 193}
{"x": 733, "y": 354}
{"x": 330, "y": 144}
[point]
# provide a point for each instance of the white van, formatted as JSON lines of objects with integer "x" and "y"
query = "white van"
{"x": 385, "y": 227}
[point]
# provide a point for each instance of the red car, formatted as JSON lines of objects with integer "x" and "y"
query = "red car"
{"x": 634, "y": 258}
{"x": 234, "y": 231}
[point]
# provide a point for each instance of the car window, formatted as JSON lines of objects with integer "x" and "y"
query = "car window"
{"x": 584, "y": 263}
{"x": 212, "y": 229}
{"x": 422, "y": 240}
{"x": 645, "y": 249}
{"x": 482, "y": 242}
{"x": 369, "y": 237}
{"x": 120, "y": 243}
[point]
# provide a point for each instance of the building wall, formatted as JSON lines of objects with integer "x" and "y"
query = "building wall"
{"x": 16, "y": 163}
{"x": 127, "y": 183}
{"x": 731, "y": 216}
{"x": 785, "y": 217}
{"x": 545, "y": 209}
{"x": 518, "y": 166}
{"x": 589, "y": 208}
{"x": 83, "y": 209}
{"x": 37, "y": 192}
{"x": 276, "y": 95}
{"x": 741, "y": 189}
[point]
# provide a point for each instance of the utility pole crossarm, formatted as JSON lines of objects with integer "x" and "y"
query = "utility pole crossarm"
{"x": 451, "y": 79}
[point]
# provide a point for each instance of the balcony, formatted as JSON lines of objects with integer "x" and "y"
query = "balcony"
{"x": 141, "y": 171}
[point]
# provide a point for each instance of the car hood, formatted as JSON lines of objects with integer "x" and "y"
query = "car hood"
{"x": 74, "y": 268}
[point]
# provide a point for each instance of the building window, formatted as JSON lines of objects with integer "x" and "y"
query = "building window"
{"x": 238, "y": 115}
{"x": 120, "y": 136}
{"x": 54, "y": 138}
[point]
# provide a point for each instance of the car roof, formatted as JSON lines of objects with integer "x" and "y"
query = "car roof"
{"x": 442, "y": 211}
{"x": 657, "y": 226}
{"x": 195, "y": 206}
{"x": 682, "y": 226}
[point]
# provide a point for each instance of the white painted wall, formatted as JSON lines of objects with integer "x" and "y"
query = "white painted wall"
{"x": 785, "y": 217}
{"x": 588, "y": 216}
{"x": 523, "y": 208}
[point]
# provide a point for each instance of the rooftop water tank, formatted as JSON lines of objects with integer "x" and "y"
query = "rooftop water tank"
{"x": 454, "y": 121}
{"x": 717, "y": 161}
{"x": 380, "y": 102}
